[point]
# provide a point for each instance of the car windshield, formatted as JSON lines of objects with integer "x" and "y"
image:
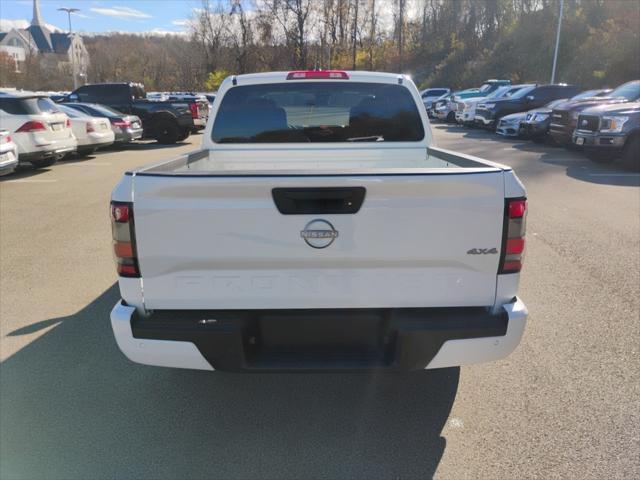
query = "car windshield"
{"x": 72, "y": 112}
{"x": 554, "y": 103}
{"x": 106, "y": 111}
{"x": 522, "y": 92}
{"x": 318, "y": 112}
{"x": 485, "y": 87}
{"x": 586, "y": 94}
{"x": 501, "y": 92}
{"x": 630, "y": 91}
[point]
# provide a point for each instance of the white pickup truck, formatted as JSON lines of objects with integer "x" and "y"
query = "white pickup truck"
{"x": 319, "y": 228}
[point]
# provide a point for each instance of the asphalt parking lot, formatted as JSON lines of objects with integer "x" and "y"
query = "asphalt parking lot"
{"x": 566, "y": 404}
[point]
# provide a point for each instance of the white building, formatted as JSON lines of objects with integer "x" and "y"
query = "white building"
{"x": 54, "y": 48}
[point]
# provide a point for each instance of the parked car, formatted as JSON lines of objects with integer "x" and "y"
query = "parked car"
{"x": 430, "y": 94}
{"x": 91, "y": 133}
{"x": 168, "y": 122}
{"x": 40, "y": 130}
{"x": 126, "y": 128}
{"x": 511, "y": 125}
{"x": 319, "y": 262}
{"x": 8, "y": 153}
{"x": 565, "y": 116}
{"x": 444, "y": 108}
{"x": 608, "y": 132}
{"x": 488, "y": 114}
{"x": 538, "y": 121}
{"x": 485, "y": 89}
{"x": 466, "y": 109}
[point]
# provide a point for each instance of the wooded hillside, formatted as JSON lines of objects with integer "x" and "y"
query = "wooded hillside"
{"x": 456, "y": 43}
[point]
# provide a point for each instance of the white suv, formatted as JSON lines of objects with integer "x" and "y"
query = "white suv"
{"x": 38, "y": 127}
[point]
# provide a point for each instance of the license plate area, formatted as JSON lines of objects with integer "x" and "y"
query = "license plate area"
{"x": 56, "y": 127}
{"x": 579, "y": 141}
{"x": 323, "y": 339}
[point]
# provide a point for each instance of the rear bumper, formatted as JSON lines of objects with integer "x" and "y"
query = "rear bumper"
{"x": 319, "y": 340}
{"x": 58, "y": 150}
{"x": 8, "y": 162}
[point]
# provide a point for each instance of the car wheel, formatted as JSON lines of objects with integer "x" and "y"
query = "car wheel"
{"x": 167, "y": 132}
{"x": 184, "y": 135}
{"x": 631, "y": 154}
{"x": 599, "y": 157}
{"x": 451, "y": 117}
{"x": 44, "y": 162}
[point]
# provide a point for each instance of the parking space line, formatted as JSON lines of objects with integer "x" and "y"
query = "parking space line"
{"x": 83, "y": 164}
{"x": 32, "y": 180}
{"x": 614, "y": 174}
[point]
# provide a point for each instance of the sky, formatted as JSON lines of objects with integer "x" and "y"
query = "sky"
{"x": 95, "y": 16}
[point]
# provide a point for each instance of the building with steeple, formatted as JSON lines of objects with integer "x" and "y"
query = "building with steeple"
{"x": 53, "y": 48}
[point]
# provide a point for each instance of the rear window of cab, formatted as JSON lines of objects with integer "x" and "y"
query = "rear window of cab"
{"x": 314, "y": 112}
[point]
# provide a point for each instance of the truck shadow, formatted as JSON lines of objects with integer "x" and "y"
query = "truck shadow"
{"x": 73, "y": 407}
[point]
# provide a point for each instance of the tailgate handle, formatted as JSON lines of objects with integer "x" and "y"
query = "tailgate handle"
{"x": 318, "y": 200}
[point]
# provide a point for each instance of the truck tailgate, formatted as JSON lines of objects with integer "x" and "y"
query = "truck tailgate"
{"x": 417, "y": 240}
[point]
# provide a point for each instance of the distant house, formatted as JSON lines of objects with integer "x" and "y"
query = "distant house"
{"x": 53, "y": 48}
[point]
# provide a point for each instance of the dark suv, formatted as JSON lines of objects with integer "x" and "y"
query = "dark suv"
{"x": 564, "y": 117}
{"x": 607, "y": 132}
{"x": 535, "y": 96}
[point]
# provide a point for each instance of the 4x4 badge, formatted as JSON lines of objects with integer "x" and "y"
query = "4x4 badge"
{"x": 482, "y": 251}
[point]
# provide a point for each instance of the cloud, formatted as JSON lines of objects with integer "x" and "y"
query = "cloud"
{"x": 6, "y": 25}
{"x": 181, "y": 22}
{"x": 125, "y": 13}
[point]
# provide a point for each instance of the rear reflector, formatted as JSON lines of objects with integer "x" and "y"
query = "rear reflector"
{"x": 513, "y": 241}
{"x": 515, "y": 245}
{"x": 90, "y": 128}
{"x": 33, "y": 126}
{"x": 68, "y": 123}
{"x": 121, "y": 123}
{"x": 124, "y": 240}
{"x": 317, "y": 74}
{"x": 123, "y": 249}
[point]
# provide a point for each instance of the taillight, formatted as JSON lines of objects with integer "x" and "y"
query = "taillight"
{"x": 515, "y": 214}
{"x": 68, "y": 123}
{"x": 32, "y": 126}
{"x": 194, "y": 110}
{"x": 6, "y": 139}
{"x": 124, "y": 240}
{"x": 90, "y": 127}
{"x": 318, "y": 74}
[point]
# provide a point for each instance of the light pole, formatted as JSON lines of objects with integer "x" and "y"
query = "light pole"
{"x": 555, "y": 54}
{"x": 73, "y": 51}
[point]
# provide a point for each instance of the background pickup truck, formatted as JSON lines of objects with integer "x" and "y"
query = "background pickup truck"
{"x": 318, "y": 228}
{"x": 166, "y": 121}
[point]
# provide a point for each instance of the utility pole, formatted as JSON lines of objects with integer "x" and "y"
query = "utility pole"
{"x": 354, "y": 36}
{"x": 555, "y": 54}
{"x": 73, "y": 50}
{"x": 400, "y": 33}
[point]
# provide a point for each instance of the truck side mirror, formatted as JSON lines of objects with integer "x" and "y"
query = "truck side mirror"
{"x": 73, "y": 97}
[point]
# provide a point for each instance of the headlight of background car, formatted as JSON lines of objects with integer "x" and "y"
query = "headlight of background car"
{"x": 540, "y": 117}
{"x": 574, "y": 115}
{"x": 489, "y": 105}
{"x": 613, "y": 124}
